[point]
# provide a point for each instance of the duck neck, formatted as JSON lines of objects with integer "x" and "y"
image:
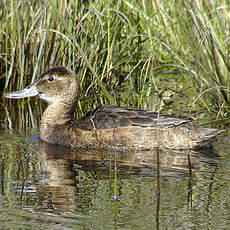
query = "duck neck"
{"x": 57, "y": 114}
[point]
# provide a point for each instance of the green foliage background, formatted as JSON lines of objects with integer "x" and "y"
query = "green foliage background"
{"x": 140, "y": 45}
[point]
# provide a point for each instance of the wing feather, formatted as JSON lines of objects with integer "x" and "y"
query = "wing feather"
{"x": 113, "y": 116}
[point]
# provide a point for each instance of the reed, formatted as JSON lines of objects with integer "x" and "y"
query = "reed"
{"x": 122, "y": 45}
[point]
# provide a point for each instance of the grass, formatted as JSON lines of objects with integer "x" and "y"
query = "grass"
{"x": 133, "y": 46}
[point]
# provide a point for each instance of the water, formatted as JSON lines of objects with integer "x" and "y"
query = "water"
{"x": 50, "y": 187}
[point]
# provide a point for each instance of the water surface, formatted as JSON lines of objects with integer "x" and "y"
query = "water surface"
{"x": 49, "y": 187}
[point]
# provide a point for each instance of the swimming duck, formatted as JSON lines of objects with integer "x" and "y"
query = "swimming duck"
{"x": 108, "y": 127}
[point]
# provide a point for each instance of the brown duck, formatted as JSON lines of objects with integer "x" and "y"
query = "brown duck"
{"x": 111, "y": 126}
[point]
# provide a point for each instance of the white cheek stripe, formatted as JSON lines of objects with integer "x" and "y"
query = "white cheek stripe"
{"x": 49, "y": 100}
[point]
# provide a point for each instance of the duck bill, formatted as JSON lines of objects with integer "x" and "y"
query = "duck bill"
{"x": 29, "y": 91}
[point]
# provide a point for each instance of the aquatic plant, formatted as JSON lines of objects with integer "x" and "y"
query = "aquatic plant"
{"x": 149, "y": 48}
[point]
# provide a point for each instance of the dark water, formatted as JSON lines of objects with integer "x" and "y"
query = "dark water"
{"x": 49, "y": 187}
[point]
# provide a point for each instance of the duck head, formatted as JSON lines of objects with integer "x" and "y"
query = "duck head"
{"x": 57, "y": 85}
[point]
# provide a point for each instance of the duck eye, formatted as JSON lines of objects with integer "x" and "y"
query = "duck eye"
{"x": 50, "y": 78}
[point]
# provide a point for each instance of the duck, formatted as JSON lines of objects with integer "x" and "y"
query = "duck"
{"x": 108, "y": 127}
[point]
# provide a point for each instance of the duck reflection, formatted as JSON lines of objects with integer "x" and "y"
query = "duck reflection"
{"x": 59, "y": 191}
{"x": 64, "y": 167}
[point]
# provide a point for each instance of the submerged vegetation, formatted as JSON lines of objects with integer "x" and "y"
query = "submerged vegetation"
{"x": 152, "y": 47}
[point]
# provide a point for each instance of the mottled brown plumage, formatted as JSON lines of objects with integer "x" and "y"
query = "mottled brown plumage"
{"x": 110, "y": 126}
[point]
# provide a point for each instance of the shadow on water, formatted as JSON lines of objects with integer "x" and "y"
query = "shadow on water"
{"x": 55, "y": 185}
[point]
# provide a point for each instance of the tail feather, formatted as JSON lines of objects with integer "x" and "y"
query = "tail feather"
{"x": 208, "y": 135}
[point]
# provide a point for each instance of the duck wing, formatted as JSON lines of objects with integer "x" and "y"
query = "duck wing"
{"x": 113, "y": 116}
